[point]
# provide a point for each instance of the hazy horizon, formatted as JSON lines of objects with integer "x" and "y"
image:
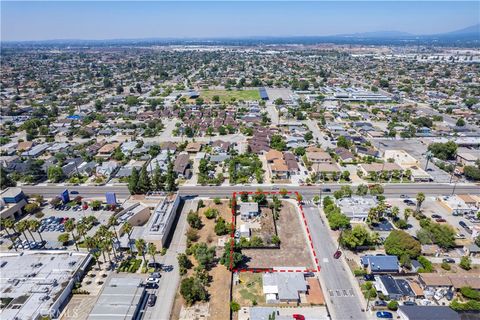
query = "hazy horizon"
{"x": 111, "y": 20}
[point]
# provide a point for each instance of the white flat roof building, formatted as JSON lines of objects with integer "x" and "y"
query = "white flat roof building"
{"x": 37, "y": 283}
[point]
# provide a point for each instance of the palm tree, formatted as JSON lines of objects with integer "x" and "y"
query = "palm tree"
{"x": 127, "y": 228}
{"x": 395, "y": 212}
{"x": 29, "y": 229}
{"x": 420, "y": 199}
{"x": 22, "y": 225}
{"x": 34, "y": 225}
{"x": 82, "y": 230}
{"x": 9, "y": 224}
{"x": 140, "y": 245}
{"x": 90, "y": 243}
{"x": 152, "y": 250}
{"x": 407, "y": 213}
{"x": 69, "y": 227}
{"x": 112, "y": 221}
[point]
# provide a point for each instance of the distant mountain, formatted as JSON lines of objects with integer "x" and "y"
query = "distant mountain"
{"x": 377, "y": 34}
{"x": 472, "y": 30}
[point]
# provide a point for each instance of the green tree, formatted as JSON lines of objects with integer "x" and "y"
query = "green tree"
{"x": 133, "y": 181}
{"x": 194, "y": 220}
{"x": 362, "y": 190}
{"x": 400, "y": 243}
{"x": 63, "y": 238}
{"x": 204, "y": 255}
{"x": 192, "y": 290}
{"x": 7, "y": 224}
{"x": 141, "y": 246}
{"x": 392, "y": 305}
{"x": 152, "y": 250}
{"x": 55, "y": 174}
{"x": 184, "y": 263}
{"x": 343, "y": 142}
{"x": 5, "y": 180}
{"x": 144, "y": 184}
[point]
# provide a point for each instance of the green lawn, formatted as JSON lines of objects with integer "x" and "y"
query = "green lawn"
{"x": 228, "y": 95}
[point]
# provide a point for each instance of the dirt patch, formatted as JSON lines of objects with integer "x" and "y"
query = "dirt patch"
{"x": 294, "y": 250}
{"x": 207, "y": 232}
{"x": 267, "y": 226}
{"x": 220, "y": 293}
{"x": 249, "y": 289}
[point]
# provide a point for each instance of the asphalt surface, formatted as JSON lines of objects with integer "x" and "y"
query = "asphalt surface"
{"x": 409, "y": 189}
{"x": 341, "y": 290}
{"x": 167, "y": 287}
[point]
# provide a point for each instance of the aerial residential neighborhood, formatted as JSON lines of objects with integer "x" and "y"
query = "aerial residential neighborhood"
{"x": 244, "y": 176}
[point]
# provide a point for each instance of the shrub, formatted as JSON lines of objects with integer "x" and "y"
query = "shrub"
{"x": 392, "y": 305}
{"x": 359, "y": 272}
{"x": 211, "y": 213}
{"x": 217, "y": 200}
{"x": 470, "y": 293}
{"x": 400, "y": 243}
{"x": 446, "y": 266}
{"x": 466, "y": 263}
{"x": 426, "y": 265}
{"x": 234, "y": 306}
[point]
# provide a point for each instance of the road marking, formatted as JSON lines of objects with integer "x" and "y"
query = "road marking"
{"x": 325, "y": 260}
{"x": 330, "y": 292}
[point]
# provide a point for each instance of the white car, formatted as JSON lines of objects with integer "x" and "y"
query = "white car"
{"x": 153, "y": 280}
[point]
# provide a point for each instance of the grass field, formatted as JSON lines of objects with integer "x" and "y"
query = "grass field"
{"x": 228, "y": 95}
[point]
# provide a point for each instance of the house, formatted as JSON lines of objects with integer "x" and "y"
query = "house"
{"x": 107, "y": 168}
{"x": 106, "y": 150}
{"x": 326, "y": 169}
{"x": 427, "y": 313}
{"x": 248, "y": 210}
{"x": 281, "y": 164}
{"x": 472, "y": 250}
{"x": 283, "y": 287}
{"x": 36, "y": 151}
{"x": 193, "y": 147}
{"x": 380, "y": 264}
{"x": 181, "y": 166}
{"x": 468, "y": 157}
{"x": 318, "y": 156}
{"x": 395, "y": 289}
{"x": 344, "y": 154}
{"x": 400, "y": 157}
{"x": 24, "y": 146}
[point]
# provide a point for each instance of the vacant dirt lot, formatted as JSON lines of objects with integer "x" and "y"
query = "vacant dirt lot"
{"x": 218, "y": 307}
{"x": 207, "y": 233}
{"x": 294, "y": 250}
{"x": 267, "y": 227}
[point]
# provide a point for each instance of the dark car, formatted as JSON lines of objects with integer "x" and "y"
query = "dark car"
{"x": 409, "y": 303}
{"x": 369, "y": 277}
{"x": 440, "y": 220}
{"x": 448, "y": 260}
{"x": 326, "y": 190}
{"x": 403, "y": 196}
{"x": 463, "y": 224}
{"x": 73, "y": 192}
{"x": 436, "y": 216}
{"x": 380, "y": 303}
{"x": 384, "y": 315}
{"x": 151, "y": 300}
{"x": 337, "y": 254}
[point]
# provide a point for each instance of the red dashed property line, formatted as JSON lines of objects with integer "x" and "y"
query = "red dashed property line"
{"x": 261, "y": 270}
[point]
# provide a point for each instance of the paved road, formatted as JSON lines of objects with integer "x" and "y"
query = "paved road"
{"x": 169, "y": 281}
{"x": 410, "y": 189}
{"x": 340, "y": 287}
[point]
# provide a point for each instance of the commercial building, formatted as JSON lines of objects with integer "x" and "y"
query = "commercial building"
{"x": 455, "y": 205}
{"x": 12, "y": 202}
{"x": 121, "y": 298}
{"x": 159, "y": 226}
{"x": 37, "y": 283}
{"x": 356, "y": 208}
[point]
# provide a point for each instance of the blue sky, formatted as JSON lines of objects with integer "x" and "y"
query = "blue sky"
{"x": 42, "y": 20}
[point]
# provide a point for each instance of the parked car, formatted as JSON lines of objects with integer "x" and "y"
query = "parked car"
{"x": 409, "y": 303}
{"x": 440, "y": 220}
{"x": 448, "y": 260}
{"x": 297, "y": 316}
{"x": 384, "y": 315}
{"x": 436, "y": 216}
{"x": 369, "y": 277}
{"x": 152, "y": 298}
{"x": 380, "y": 303}
{"x": 153, "y": 280}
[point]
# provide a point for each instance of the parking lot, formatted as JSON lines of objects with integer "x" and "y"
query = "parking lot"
{"x": 416, "y": 148}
